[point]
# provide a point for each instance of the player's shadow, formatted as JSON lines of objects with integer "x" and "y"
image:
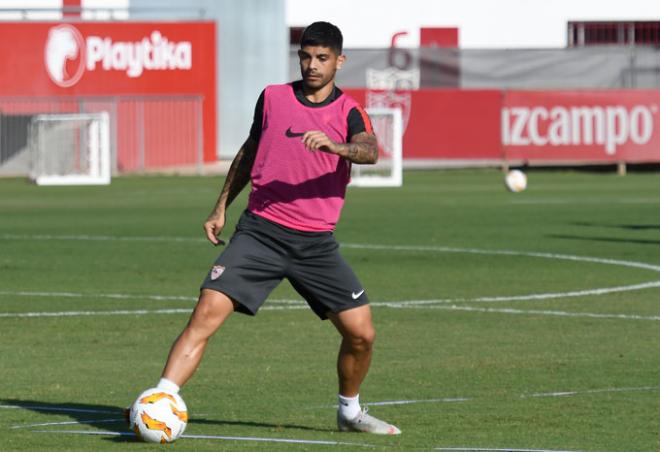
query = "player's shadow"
{"x": 111, "y": 419}
{"x": 627, "y": 227}
{"x": 203, "y": 421}
{"x": 631, "y": 227}
{"x": 105, "y": 418}
{"x": 604, "y": 239}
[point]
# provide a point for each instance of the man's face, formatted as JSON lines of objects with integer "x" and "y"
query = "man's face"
{"x": 318, "y": 65}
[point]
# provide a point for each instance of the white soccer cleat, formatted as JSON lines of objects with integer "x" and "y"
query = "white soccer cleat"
{"x": 364, "y": 422}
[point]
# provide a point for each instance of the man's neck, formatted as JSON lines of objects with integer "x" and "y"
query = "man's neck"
{"x": 319, "y": 95}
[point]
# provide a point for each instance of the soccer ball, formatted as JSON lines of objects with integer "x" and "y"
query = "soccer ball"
{"x": 515, "y": 181}
{"x": 158, "y": 416}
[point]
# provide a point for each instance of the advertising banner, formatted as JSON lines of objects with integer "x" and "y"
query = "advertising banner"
{"x": 443, "y": 124}
{"x": 62, "y": 60}
{"x": 536, "y": 127}
{"x": 581, "y": 126}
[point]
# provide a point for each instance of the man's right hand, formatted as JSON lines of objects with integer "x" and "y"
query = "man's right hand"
{"x": 213, "y": 227}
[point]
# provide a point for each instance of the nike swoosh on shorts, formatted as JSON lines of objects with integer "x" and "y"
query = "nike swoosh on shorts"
{"x": 357, "y": 295}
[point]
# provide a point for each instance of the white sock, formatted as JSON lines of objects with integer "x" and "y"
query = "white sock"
{"x": 168, "y": 385}
{"x": 349, "y": 407}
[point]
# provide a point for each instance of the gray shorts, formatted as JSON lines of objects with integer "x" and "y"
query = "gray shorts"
{"x": 261, "y": 253}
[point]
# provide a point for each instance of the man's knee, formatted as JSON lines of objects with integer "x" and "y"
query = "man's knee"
{"x": 363, "y": 338}
{"x": 211, "y": 311}
{"x": 356, "y": 327}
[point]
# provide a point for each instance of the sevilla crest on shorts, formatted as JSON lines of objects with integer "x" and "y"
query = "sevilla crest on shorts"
{"x": 217, "y": 271}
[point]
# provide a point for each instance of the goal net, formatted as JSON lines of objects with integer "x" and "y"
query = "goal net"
{"x": 70, "y": 149}
{"x": 388, "y": 171}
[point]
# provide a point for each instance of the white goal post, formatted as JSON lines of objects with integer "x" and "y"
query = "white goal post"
{"x": 388, "y": 171}
{"x": 70, "y": 149}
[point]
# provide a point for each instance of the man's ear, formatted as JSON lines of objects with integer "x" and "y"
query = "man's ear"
{"x": 340, "y": 60}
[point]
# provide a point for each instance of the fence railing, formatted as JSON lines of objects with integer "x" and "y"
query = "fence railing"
{"x": 146, "y": 132}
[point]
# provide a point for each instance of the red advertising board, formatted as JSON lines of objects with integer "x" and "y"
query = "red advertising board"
{"x": 537, "y": 127}
{"x": 104, "y": 59}
{"x": 581, "y": 126}
{"x": 447, "y": 124}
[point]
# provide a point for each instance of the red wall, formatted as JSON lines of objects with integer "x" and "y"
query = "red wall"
{"x": 438, "y": 37}
{"x": 530, "y": 126}
{"x": 180, "y": 61}
{"x": 581, "y": 126}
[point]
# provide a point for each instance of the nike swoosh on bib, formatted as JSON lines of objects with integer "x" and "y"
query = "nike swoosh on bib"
{"x": 291, "y": 134}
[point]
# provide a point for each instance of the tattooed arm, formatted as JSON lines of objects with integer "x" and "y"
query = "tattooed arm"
{"x": 363, "y": 147}
{"x": 237, "y": 178}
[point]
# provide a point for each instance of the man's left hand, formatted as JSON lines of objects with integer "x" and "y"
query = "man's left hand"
{"x": 315, "y": 140}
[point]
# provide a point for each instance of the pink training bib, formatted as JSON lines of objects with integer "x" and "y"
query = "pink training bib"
{"x": 291, "y": 185}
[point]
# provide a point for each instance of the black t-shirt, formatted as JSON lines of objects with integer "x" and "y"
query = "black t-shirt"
{"x": 355, "y": 121}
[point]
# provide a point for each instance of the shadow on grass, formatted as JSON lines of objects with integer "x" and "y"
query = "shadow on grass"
{"x": 631, "y": 227}
{"x": 604, "y": 239}
{"x": 111, "y": 419}
{"x": 105, "y": 418}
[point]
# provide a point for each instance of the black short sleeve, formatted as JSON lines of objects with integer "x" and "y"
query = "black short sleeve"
{"x": 358, "y": 122}
{"x": 258, "y": 120}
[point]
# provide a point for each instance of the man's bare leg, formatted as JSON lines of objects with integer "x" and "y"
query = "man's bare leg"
{"x": 354, "y": 358}
{"x": 358, "y": 334}
{"x": 212, "y": 309}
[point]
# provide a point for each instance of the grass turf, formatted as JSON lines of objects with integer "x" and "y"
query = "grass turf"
{"x": 476, "y": 373}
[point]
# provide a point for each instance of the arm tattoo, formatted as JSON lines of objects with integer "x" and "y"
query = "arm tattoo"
{"x": 363, "y": 148}
{"x": 238, "y": 175}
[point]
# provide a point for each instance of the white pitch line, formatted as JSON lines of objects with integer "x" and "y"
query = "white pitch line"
{"x": 278, "y": 440}
{"x": 575, "y": 293}
{"x": 115, "y": 296}
{"x": 57, "y": 409}
{"x": 444, "y": 249}
{"x": 419, "y": 304}
{"x": 417, "y": 248}
{"x": 91, "y": 421}
{"x": 119, "y": 296}
{"x": 408, "y": 402}
{"x": 86, "y": 432}
{"x": 590, "y": 315}
{"x": 592, "y": 391}
{"x": 382, "y": 403}
{"x": 100, "y": 238}
{"x": 127, "y": 312}
{"x": 287, "y": 308}
{"x": 528, "y": 297}
{"x": 523, "y": 396}
{"x": 226, "y": 438}
{"x": 93, "y": 313}
{"x": 508, "y": 449}
{"x": 394, "y": 304}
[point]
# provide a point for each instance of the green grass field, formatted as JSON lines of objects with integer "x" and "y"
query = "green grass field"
{"x": 487, "y": 304}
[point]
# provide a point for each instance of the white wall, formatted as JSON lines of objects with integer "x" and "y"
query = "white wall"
{"x": 26, "y": 4}
{"x": 252, "y": 52}
{"x": 482, "y": 23}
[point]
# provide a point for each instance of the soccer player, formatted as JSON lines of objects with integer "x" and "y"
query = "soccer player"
{"x": 298, "y": 157}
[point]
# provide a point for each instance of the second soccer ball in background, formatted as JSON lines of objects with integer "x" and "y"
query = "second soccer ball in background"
{"x": 515, "y": 181}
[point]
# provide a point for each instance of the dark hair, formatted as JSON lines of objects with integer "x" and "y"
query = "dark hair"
{"x": 323, "y": 34}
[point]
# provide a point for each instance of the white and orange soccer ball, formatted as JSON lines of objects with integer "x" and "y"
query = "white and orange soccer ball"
{"x": 515, "y": 181}
{"x": 158, "y": 416}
